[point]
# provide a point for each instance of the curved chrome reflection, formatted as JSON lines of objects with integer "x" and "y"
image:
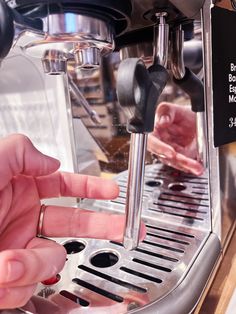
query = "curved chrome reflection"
{"x": 83, "y": 37}
{"x": 54, "y": 62}
{"x": 177, "y": 61}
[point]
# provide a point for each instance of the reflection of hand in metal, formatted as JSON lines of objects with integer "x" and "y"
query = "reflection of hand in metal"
{"x": 173, "y": 140}
{"x": 58, "y": 304}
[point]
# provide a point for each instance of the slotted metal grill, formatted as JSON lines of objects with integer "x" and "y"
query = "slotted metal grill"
{"x": 102, "y": 277}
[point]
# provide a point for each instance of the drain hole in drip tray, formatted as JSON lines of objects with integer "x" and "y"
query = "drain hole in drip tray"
{"x": 73, "y": 247}
{"x": 104, "y": 259}
{"x": 153, "y": 183}
{"x": 178, "y": 186}
{"x": 74, "y": 298}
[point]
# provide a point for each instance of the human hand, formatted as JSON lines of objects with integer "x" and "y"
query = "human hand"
{"x": 174, "y": 138}
{"x": 27, "y": 176}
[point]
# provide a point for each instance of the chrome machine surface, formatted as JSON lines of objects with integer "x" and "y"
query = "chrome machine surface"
{"x": 83, "y": 44}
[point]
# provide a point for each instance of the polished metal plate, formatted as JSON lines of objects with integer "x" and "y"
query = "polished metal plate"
{"x": 102, "y": 277}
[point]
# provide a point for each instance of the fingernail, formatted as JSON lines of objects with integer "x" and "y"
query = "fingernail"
{"x": 197, "y": 172}
{"x": 164, "y": 119}
{"x": 15, "y": 271}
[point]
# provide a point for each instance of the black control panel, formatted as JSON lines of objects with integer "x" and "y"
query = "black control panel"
{"x": 224, "y": 75}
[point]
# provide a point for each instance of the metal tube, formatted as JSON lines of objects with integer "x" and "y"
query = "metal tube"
{"x": 134, "y": 194}
{"x": 201, "y": 138}
{"x": 138, "y": 145}
{"x": 161, "y": 40}
{"x": 177, "y": 60}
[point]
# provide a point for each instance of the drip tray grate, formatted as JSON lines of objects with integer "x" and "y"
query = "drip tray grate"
{"x": 102, "y": 277}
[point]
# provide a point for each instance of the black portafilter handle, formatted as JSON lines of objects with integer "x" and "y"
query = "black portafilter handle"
{"x": 194, "y": 88}
{"x": 138, "y": 89}
{"x": 6, "y": 29}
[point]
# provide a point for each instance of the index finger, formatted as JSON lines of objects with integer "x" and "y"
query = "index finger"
{"x": 189, "y": 164}
{"x": 76, "y": 185}
{"x": 158, "y": 147}
{"x": 82, "y": 223}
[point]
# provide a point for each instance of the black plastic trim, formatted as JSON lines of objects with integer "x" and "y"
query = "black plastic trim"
{"x": 6, "y": 29}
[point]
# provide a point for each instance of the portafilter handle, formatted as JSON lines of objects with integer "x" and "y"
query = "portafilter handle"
{"x": 138, "y": 90}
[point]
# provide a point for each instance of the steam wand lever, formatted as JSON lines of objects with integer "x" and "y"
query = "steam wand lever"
{"x": 138, "y": 90}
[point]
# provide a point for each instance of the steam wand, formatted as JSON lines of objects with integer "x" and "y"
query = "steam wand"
{"x": 138, "y": 90}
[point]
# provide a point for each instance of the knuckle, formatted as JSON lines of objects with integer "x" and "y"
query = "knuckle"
{"x": 20, "y": 138}
{"x": 23, "y": 139}
{"x": 163, "y": 105}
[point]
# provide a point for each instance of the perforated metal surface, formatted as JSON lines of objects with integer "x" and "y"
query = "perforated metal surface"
{"x": 103, "y": 277}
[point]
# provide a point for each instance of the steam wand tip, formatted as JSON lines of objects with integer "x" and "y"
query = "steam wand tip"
{"x": 95, "y": 117}
{"x": 129, "y": 243}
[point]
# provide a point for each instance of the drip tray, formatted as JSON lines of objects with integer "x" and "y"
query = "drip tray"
{"x": 102, "y": 277}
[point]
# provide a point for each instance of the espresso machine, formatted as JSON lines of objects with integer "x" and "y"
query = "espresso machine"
{"x": 83, "y": 78}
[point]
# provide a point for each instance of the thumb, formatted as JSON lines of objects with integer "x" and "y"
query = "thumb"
{"x": 165, "y": 114}
{"x": 41, "y": 260}
{"x": 19, "y": 156}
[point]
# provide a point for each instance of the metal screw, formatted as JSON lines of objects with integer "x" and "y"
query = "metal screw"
{"x": 161, "y": 14}
{"x": 161, "y": 17}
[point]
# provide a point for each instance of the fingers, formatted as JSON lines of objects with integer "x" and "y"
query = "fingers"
{"x": 169, "y": 113}
{"x": 189, "y": 165}
{"x": 165, "y": 114}
{"x": 42, "y": 259}
{"x": 19, "y": 156}
{"x": 168, "y": 156}
{"x": 14, "y": 297}
{"x": 158, "y": 147}
{"x": 75, "y": 222}
{"x": 69, "y": 184}
{"x": 184, "y": 163}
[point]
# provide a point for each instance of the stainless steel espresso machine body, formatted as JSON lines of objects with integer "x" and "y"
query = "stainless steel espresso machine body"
{"x": 101, "y": 68}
